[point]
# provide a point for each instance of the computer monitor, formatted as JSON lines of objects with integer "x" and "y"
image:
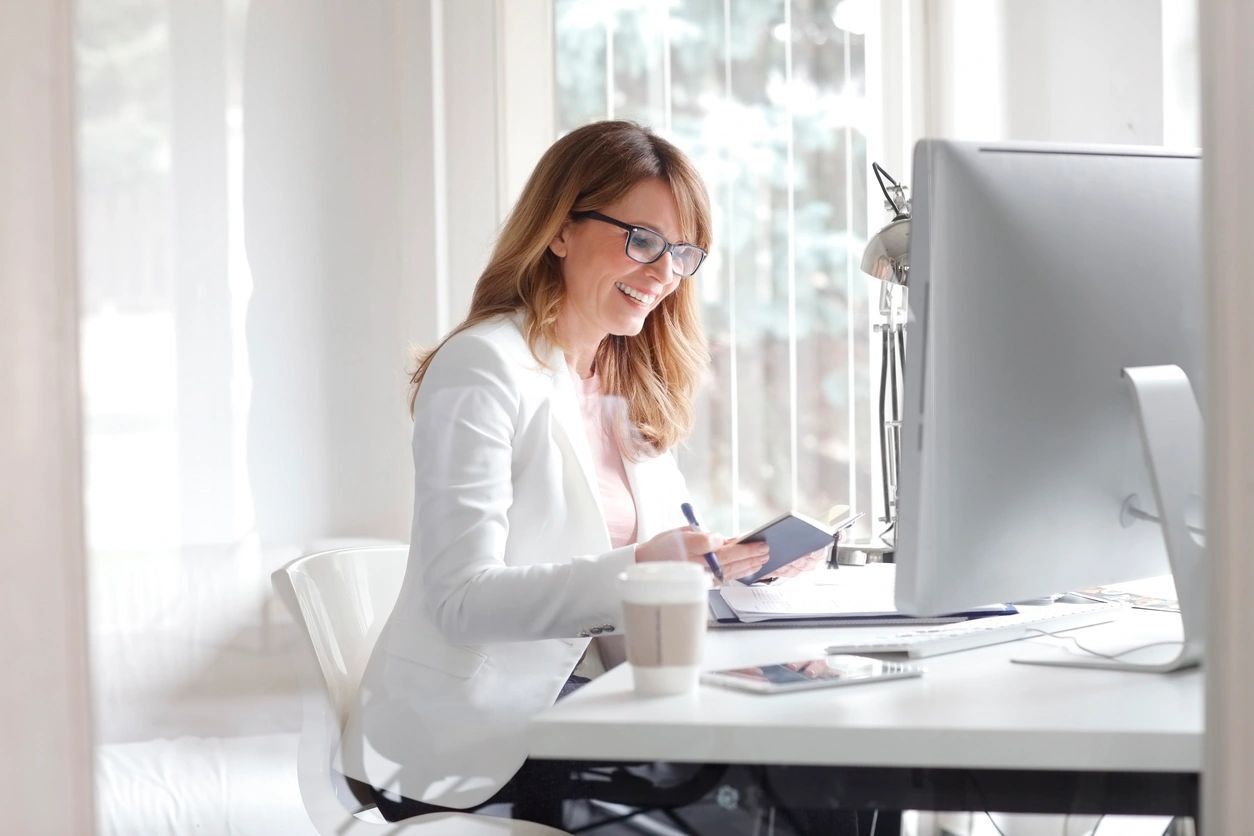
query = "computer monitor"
{"x": 1037, "y": 274}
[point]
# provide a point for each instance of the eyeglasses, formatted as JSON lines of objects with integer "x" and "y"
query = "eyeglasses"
{"x": 646, "y": 246}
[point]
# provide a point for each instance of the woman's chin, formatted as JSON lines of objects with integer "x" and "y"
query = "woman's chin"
{"x": 630, "y": 327}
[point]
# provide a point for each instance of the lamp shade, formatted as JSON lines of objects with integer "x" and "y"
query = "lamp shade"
{"x": 886, "y": 255}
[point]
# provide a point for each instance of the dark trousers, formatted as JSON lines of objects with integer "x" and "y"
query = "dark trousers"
{"x": 535, "y": 793}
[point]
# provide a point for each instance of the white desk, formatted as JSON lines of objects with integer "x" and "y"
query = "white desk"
{"x": 973, "y": 710}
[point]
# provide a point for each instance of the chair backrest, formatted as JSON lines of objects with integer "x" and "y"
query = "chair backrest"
{"x": 343, "y": 597}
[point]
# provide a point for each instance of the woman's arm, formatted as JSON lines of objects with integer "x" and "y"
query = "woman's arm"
{"x": 465, "y": 422}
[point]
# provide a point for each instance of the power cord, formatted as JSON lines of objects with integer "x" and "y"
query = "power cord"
{"x": 1098, "y": 653}
{"x": 970, "y": 776}
{"x": 993, "y": 822}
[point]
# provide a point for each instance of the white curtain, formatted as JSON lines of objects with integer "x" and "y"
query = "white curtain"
{"x": 248, "y": 313}
{"x": 244, "y": 350}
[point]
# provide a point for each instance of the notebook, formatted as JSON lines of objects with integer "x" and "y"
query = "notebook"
{"x": 861, "y": 595}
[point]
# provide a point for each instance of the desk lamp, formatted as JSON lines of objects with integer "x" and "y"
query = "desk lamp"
{"x": 886, "y": 258}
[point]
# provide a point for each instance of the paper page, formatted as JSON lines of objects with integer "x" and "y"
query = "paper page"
{"x": 850, "y": 591}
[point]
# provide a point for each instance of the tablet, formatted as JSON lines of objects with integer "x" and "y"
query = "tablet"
{"x": 823, "y": 672}
{"x": 792, "y": 536}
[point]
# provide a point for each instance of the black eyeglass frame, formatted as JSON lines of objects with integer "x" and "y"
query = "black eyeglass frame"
{"x": 667, "y": 246}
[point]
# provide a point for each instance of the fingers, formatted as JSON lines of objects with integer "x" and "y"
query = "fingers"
{"x": 801, "y": 564}
{"x": 815, "y": 668}
{"x": 735, "y": 559}
{"x": 739, "y": 560}
{"x": 698, "y": 543}
{"x": 678, "y": 544}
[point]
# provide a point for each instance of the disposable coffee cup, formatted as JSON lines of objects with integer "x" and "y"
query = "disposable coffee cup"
{"x": 665, "y": 606}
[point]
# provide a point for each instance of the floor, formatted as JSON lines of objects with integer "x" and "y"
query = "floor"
{"x": 196, "y": 694}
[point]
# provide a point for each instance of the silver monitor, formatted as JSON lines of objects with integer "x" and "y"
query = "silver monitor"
{"x": 1037, "y": 274}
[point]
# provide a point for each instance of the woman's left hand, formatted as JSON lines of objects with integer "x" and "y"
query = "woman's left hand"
{"x": 802, "y": 564}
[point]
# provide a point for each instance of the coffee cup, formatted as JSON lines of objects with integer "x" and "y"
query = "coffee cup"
{"x": 665, "y": 607}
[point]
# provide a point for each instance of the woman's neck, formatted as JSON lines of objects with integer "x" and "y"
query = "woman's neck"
{"x": 584, "y": 363}
{"x": 580, "y": 351}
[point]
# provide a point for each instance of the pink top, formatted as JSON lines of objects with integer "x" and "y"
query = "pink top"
{"x": 616, "y": 500}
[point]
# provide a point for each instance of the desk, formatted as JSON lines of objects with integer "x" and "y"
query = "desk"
{"x": 975, "y": 732}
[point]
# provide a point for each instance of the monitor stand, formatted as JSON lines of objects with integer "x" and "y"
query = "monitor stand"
{"x": 1171, "y": 433}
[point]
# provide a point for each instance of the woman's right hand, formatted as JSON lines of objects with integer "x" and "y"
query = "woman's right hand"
{"x": 736, "y": 560}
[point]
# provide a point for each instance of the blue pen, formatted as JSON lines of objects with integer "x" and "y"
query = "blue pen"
{"x": 710, "y": 559}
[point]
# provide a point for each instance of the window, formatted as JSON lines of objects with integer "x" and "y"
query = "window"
{"x": 768, "y": 97}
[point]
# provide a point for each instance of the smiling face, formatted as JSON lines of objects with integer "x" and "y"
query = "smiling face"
{"x": 607, "y": 292}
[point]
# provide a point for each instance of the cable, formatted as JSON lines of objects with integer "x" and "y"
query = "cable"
{"x": 1098, "y": 653}
{"x": 1173, "y": 830}
{"x": 880, "y": 174}
{"x": 983, "y": 803}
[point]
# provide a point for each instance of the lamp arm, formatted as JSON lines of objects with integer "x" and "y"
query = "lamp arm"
{"x": 885, "y": 438}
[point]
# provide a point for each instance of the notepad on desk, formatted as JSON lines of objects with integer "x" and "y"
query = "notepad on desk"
{"x": 852, "y": 595}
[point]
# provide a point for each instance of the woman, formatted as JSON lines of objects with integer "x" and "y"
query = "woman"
{"x": 543, "y": 427}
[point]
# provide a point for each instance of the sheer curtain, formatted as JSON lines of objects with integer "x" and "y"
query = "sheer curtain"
{"x": 246, "y": 321}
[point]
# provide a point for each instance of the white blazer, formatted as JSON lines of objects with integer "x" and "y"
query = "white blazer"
{"x": 510, "y": 571}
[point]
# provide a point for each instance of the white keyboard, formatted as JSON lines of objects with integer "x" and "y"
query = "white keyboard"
{"x": 980, "y": 632}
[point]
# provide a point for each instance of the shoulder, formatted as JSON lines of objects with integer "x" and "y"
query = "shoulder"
{"x": 494, "y": 349}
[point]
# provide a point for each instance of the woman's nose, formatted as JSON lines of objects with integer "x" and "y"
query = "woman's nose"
{"x": 663, "y": 269}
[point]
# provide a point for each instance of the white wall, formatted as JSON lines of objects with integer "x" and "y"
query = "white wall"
{"x": 1064, "y": 70}
{"x": 45, "y": 772}
{"x": 1084, "y": 70}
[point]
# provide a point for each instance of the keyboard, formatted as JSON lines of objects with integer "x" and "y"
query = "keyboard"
{"x": 981, "y": 632}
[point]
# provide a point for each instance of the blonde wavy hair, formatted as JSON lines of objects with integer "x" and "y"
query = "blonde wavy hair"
{"x": 656, "y": 373}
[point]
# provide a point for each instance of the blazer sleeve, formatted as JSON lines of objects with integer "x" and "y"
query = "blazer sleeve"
{"x": 465, "y": 420}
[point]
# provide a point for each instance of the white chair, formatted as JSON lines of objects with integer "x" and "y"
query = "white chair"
{"x": 342, "y": 599}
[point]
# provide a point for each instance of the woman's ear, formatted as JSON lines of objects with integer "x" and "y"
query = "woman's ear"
{"x": 560, "y": 245}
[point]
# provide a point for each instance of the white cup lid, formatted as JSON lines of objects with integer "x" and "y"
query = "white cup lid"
{"x": 664, "y": 581}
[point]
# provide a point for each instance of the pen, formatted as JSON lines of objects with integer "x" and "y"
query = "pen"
{"x": 710, "y": 559}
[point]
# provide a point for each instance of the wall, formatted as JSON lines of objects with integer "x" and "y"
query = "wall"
{"x": 1226, "y": 30}
{"x": 45, "y": 774}
{"x": 1066, "y": 70}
